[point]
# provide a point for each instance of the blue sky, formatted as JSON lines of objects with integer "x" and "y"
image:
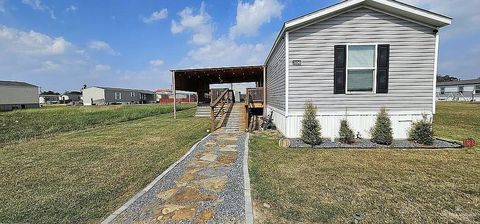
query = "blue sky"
{"x": 61, "y": 45}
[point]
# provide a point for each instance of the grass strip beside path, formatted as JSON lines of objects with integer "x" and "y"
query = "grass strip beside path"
{"x": 386, "y": 186}
{"x": 83, "y": 176}
{"x": 23, "y": 125}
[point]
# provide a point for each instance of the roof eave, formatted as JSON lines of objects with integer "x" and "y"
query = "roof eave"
{"x": 402, "y": 9}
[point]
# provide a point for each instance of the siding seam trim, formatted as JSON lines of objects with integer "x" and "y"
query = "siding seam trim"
{"x": 286, "y": 71}
{"x": 435, "y": 67}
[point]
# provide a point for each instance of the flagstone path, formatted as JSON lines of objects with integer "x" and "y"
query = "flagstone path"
{"x": 205, "y": 187}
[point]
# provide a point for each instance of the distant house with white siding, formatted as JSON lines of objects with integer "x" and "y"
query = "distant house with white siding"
{"x": 97, "y": 95}
{"x": 49, "y": 98}
{"x": 352, "y": 59}
{"x": 18, "y": 95}
{"x": 461, "y": 90}
{"x": 71, "y": 97}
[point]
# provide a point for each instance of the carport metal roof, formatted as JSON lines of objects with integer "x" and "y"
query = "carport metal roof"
{"x": 195, "y": 79}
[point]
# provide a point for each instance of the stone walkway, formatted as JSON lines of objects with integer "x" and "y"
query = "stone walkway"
{"x": 207, "y": 186}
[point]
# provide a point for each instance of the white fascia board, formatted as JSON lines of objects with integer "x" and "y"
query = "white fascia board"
{"x": 411, "y": 9}
{"x": 320, "y": 13}
{"x": 392, "y": 6}
{"x": 279, "y": 37}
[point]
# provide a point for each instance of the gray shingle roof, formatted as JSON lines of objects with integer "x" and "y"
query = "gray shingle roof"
{"x": 15, "y": 83}
{"x": 459, "y": 82}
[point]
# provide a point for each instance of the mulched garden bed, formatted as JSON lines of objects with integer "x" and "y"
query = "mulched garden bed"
{"x": 367, "y": 144}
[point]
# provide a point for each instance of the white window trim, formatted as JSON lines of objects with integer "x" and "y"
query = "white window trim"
{"x": 119, "y": 94}
{"x": 132, "y": 94}
{"x": 374, "y": 86}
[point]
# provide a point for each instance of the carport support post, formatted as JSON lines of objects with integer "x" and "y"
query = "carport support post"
{"x": 174, "y": 96}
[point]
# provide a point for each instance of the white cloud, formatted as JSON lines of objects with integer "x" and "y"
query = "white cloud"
{"x": 251, "y": 16}
{"x": 226, "y": 52}
{"x": 102, "y": 46}
{"x": 200, "y": 24}
{"x": 156, "y": 63}
{"x": 102, "y": 68}
{"x": 40, "y": 59}
{"x": 71, "y": 8}
{"x": 157, "y": 15}
{"x": 32, "y": 43}
{"x": 38, "y": 5}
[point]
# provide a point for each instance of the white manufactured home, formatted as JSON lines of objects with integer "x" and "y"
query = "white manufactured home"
{"x": 350, "y": 60}
{"x": 97, "y": 95}
{"x": 461, "y": 90}
{"x": 18, "y": 95}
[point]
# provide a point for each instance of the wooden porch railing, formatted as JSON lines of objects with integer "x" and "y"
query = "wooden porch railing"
{"x": 253, "y": 102}
{"x": 254, "y": 95}
{"x": 221, "y": 104}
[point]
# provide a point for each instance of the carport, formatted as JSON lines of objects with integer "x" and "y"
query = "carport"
{"x": 199, "y": 80}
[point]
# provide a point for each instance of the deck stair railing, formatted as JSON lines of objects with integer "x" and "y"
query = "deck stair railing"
{"x": 221, "y": 104}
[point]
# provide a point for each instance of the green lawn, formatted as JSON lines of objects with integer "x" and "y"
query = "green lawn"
{"x": 458, "y": 120}
{"x": 386, "y": 186}
{"x": 83, "y": 176}
{"x": 22, "y": 125}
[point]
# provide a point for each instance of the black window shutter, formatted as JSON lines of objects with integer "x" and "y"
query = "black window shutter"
{"x": 340, "y": 69}
{"x": 382, "y": 68}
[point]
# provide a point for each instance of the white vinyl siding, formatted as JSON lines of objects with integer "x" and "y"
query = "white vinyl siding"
{"x": 411, "y": 65}
{"x": 276, "y": 77}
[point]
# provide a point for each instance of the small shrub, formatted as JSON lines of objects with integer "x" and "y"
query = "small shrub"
{"x": 382, "y": 131}
{"x": 421, "y": 132}
{"x": 310, "y": 126}
{"x": 346, "y": 134}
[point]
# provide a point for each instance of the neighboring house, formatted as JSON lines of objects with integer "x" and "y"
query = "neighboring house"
{"x": 49, "y": 98}
{"x": 18, "y": 95}
{"x": 162, "y": 95}
{"x": 106, "y": 95}
{"x": 352, "y": 59}
{"x": 71, "y": 97}
{"x": 461, "y": 90}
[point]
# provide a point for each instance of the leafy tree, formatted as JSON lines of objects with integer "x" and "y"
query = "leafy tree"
{"x": 310, "y": 126}
{"x": 382, "y": 131}
{"x": 446, "y": 78}
{"x": 346, "y": 133}
{"x": 50, "y": 93}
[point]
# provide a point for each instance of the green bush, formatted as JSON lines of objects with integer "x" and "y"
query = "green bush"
{"x": 382, "y": 131}
{"x": 310, "y": 126}
{"x": 346, "y": 134}
{"x": 421, "y": 132}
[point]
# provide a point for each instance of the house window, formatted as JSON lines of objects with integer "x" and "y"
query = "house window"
{"x": 460, "y": 89}
{"x": 442, "y": 90}
{"x": 361, "y": 68}
{"x": 118, "y": 95}
{"x": 132, "y": 94}
{"x": 477, "y": 89}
